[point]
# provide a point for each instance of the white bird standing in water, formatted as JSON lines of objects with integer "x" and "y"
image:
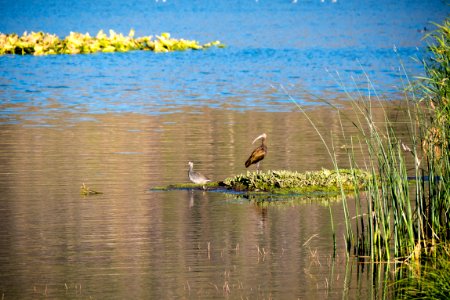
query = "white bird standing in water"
{"x": 196, "y": 177}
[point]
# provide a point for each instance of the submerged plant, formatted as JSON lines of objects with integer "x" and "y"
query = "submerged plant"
{"x": 39, "y": 43}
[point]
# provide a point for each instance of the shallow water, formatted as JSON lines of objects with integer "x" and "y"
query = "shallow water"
{"x": 130, "y": 242}
{"x": 125, "y": 122}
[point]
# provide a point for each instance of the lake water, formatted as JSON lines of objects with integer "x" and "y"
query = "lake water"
{"x": 125, "y": 122}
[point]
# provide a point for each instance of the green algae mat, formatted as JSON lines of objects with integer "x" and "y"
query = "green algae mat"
{"x": 282, "y": 182}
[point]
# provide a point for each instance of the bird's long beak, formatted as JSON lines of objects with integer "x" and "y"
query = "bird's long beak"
{"x": 262, "y": 136}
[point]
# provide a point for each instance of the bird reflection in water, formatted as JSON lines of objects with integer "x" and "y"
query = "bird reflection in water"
{"x": 197, "y": 197}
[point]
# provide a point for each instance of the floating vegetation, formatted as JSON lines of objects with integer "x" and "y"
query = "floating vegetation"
{"x": 188, "y": 186}
{"x": 40, "y": 43}
{"x": 294, "y": 182}
{"x": 317, "y": 183}
{"x": 86, "y": 191}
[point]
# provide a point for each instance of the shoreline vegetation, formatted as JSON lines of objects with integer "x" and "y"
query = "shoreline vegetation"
{"x": 403, "y": 225}
{"x": 408, "y": 222}
{"x": 40, "y": 43}
{"x": 399, "y": 220}
{"x": 425, "y": 249}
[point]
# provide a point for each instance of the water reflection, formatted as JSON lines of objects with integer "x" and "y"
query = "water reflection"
{"x": 130, "y": 242}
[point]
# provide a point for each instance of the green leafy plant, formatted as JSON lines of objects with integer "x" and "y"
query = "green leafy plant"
{"x": 295, "y": 182}
{"x": 39, "y": 43}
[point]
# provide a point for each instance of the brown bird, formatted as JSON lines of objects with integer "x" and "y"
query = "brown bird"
{"x": 259, "y": 153}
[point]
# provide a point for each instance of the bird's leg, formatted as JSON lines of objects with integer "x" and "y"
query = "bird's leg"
{"x": 257, "y": 167}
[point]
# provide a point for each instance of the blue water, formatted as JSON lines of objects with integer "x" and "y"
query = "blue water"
{"x": 310, "y": 48}
{"x": 124, "y": 122}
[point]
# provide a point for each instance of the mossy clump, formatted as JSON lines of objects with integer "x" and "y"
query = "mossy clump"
{"x": 283, "y": 181}
{"x": 40, "y": 43}
{"x": 315, "y": 183}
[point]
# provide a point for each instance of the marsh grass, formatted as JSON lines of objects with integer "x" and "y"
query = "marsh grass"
{"x": 399, "y": 219}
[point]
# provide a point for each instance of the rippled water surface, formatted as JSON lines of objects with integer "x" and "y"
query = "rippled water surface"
{"x": 130, "y": 242}
{"x": 125, "y": 122}
{"x": 323, "y": 48}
